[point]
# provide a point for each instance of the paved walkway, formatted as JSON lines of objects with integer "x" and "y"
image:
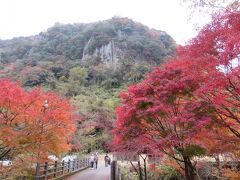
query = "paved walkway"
{"x": 101, "y": 173}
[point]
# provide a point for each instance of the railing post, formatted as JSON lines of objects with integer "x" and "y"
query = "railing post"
{"x": 73, "y": 165}
{"x": 45, "y": 170}
{"x": 68, "y": 167}
{"x": 55, "y": 169}
{"x": 83, "y": 162}
{"x": 77, "y": 163}
{"x": 62, "y": 167}
{"x": 113, "y": 170}
{"x": 80, "y": 161}
{"x": 37, "y": 171}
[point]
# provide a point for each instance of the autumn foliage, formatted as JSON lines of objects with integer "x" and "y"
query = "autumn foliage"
{"x": 189, "y": 107}
{"x": 34, "y": 124}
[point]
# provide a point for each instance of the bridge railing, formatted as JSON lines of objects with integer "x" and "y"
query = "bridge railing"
{"x": 60, "y": 169}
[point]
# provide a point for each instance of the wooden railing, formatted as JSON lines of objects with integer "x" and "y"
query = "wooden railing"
{"x": 60, "y": 169}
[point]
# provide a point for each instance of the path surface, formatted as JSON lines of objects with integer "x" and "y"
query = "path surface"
{"x": 101, "y": 173}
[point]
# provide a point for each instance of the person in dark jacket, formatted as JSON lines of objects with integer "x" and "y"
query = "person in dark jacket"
{"x": 96, "y": 160}
{"x": 106, "y": 159}
{"x": 92, "y": 161}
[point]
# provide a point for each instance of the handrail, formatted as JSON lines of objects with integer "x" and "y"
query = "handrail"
{"x": 60, "y": 169}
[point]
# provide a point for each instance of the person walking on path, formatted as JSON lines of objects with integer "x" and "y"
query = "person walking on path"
{"x": 96, "y": 160}
{"x": 106, "y": 159}
{"x": 101, "y": 173}
{"x": 92, "y": 161}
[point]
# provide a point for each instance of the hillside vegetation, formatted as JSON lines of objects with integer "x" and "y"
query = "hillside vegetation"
{"x": 89, "y": 63}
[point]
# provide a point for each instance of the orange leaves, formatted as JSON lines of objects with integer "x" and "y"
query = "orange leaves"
{"x": 11, "y": 102}
{"x": 34, "y": 122}
{"x": 231, "y": 174}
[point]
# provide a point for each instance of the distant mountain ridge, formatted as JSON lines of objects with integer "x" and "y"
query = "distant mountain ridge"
{"x": 110, "y": 40}
{"x": 112, "y": 43}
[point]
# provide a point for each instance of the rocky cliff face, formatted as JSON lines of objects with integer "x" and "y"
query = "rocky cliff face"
{"x": 108, "y": 54}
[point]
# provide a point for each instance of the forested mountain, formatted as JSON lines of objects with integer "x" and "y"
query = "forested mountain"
{"x": 90, "y": 63}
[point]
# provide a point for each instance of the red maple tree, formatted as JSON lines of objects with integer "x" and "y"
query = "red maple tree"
{"x": 193, "y": 97}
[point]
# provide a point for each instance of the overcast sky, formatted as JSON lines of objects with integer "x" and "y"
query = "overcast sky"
{"x": 29, "y": 17}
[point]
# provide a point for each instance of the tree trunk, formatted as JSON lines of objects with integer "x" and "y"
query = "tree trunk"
{"x": 219, "y": 167}
{"x": 145, "y": 169}
{"x": 140, "y": 171}
{"x": 134, "y": 167}
{"x": 189, "y": 169}
{"x": 144, "y": 166}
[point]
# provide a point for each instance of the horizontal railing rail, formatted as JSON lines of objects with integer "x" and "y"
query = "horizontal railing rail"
{"x": 60, "y": 169}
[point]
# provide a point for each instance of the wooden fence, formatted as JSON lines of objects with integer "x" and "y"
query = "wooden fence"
{"x": 60, "y": 169}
